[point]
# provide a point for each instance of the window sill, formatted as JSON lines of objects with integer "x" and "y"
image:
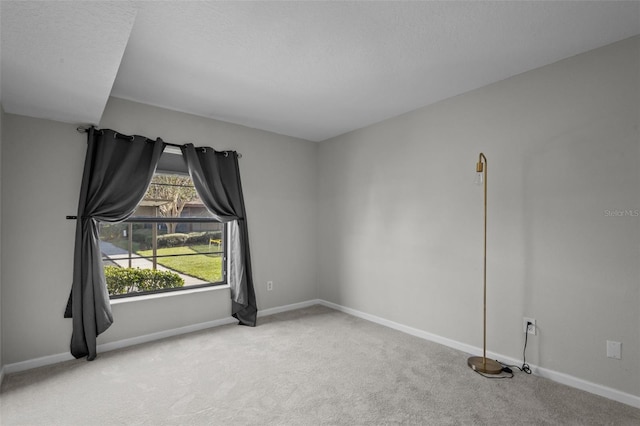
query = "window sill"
{"x": 124, "y": 300}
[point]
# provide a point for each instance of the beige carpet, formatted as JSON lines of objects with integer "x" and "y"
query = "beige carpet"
{"x": 314, "y": 366}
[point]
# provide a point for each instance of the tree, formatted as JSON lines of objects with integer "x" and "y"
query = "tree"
{"x": 172, "y": 193}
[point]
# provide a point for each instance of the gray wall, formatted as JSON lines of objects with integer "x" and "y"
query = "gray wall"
{"x": 41, "y": 173}
{"x": 402, "y": 235}
{"x": 1, "y": 118}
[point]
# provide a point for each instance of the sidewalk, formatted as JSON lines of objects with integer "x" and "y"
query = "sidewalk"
{"x": 119, "y": 257}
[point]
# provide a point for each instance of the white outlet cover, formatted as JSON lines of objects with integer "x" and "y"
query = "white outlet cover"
{"x": 614, "y": 349}
{"x": 532, "y": 321}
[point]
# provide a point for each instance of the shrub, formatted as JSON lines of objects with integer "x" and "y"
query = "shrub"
{"x": 129, "y": 280}
{"x": 143, "y": 236}
{"x": 214, "y": 234}
{"x": 172, "y": 240}
{"x": 195, "y": 238}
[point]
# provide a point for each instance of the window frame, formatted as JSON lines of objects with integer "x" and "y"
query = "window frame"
{"x": 163, "y": 220}
{"x": 224, "y": 254}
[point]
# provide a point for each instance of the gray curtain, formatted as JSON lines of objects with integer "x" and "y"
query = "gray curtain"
{"x": 117, "y": 172}
{"x": 216, "y": 176}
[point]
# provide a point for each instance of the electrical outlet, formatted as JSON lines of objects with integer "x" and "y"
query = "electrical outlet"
{"x": 269, "y": 285}
{"x": 614, "y": 349}
{"x": 529, "y": 326}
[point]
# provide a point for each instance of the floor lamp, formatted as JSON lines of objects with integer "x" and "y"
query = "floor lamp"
{"x": 481, "y": 363}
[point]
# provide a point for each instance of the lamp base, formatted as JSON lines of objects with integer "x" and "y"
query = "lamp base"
{"x": 484, "y": 365}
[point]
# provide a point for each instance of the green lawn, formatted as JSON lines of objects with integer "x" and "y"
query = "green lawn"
{"x": 207, "y": 267}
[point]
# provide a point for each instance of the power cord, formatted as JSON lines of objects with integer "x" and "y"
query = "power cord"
{"x": 525, "y": 366}
{"x": 506, "y": 368}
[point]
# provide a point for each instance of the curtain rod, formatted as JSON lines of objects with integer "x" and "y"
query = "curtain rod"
{"x": 81, "y": 129}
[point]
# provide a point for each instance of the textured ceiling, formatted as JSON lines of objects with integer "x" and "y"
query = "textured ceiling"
{"x": 59, "y": 60}
{"x": 307, "y": 69}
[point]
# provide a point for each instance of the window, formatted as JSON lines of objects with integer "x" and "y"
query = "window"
{"x": 170, "y": 243}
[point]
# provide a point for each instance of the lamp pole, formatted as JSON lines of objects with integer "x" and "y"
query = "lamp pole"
{"x": 482, "y": 364}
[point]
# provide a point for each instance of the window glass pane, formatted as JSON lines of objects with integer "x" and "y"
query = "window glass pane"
{"x": 171, "y": 196}
{"x": 171, "y": 246}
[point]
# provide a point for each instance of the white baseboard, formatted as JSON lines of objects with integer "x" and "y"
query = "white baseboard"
{"x": 36, "y": 362}
{"x": 124, "y": 343}
{"x": 196, "y": 327}
{"x": 119, "y": 344}
{"x": 556, "y": 376}
{"x": 292, "y": 307}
